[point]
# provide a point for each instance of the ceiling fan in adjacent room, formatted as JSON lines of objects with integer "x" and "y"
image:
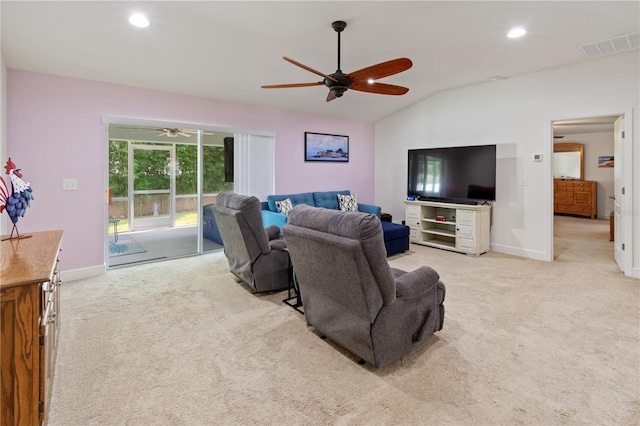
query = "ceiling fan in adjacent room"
{"x": 363, "y": 80}
{"x": 171, "y": 132}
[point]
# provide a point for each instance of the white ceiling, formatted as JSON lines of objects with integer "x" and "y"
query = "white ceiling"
{"x": 227, "y": 50}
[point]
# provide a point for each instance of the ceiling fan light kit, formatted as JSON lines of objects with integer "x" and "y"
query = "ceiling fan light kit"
{"x": 170, "y": 132}
{"x": 363, "y": 80}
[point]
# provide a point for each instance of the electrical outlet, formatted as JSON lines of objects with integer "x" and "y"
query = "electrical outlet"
{"x": 69, "y": 184}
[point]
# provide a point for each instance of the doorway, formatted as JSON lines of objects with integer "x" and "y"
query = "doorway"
{"x": 608, "y": 170}
{"x": 159, "y": 178}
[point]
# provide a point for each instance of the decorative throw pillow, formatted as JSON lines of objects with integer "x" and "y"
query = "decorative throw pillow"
{"x": 348, "y": 203}
{"x": 284, "y": 206}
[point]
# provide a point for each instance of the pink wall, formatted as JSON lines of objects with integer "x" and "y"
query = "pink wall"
{"x": 55, "y": 131}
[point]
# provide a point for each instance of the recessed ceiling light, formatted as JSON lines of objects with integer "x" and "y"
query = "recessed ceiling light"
{"x": 371, "y": 81}
{"x": 516, "y": 32}
{"x": 139, "y": 20}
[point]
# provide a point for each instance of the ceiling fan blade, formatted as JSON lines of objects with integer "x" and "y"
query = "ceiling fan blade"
{"x": 303, "y": 66}
{"x": 285, "y": 86}
{"x": 331, "y": 96}
{"x": 383, "y": 69}
{"x": 380, "y": 88}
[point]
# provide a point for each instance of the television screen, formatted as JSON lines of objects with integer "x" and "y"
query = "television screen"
{"x": 465, "y": 174}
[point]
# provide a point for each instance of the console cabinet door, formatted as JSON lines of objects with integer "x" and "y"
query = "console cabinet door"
{"x": 413, "y": 221}
{"x": 466, "y": 231}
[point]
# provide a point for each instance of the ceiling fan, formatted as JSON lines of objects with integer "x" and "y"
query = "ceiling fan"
{"x": 171, "y": 132}
{"x": 363, "y": 80}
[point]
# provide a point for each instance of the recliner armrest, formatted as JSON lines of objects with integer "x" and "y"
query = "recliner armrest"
{"x": 278, "y": 244}
{"x": 273, "y": 232}
{"x": 417, "y": 282}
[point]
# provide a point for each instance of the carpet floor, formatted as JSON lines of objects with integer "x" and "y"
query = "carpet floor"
{"x": 524, "y": 342}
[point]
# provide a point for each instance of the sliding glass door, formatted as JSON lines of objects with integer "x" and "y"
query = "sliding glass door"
{"x": 161, "y": 179}
{"x": 152, "y": 173}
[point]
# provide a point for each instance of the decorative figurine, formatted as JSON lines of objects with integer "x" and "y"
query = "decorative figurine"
{"x": 18, "y": 199}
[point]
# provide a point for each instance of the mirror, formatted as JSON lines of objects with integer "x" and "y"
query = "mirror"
{"x": 568, "y": 161}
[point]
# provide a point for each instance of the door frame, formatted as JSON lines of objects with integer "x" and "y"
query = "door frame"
{"x": 626, "y": 220}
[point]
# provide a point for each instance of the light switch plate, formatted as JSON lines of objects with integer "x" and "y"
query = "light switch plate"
{"x": 69, "y": 184}
{"x": 537, "y": 157}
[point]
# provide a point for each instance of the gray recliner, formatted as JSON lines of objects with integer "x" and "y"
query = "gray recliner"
{"x": 351, "y": 294}
{"x": 256, "y": 255}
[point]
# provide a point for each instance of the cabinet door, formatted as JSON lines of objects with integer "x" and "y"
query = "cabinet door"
{"x": 466, "y": 231}
{"x": 19, "y": 366}
{"x": 466, "y": 245}
{"x": 466, "y": 217}
{"x": 412, "y": 215}
{"x": 413, "y": 221}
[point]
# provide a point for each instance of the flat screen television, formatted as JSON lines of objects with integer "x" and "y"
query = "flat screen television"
{"x": 463, "y": 174}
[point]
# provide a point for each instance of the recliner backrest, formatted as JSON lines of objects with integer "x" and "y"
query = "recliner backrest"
{"x": 239, "y": 221}
{"x": 349, "y": 259}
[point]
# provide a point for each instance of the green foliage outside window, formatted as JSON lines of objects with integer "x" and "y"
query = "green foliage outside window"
{"x": 153, "y": 169}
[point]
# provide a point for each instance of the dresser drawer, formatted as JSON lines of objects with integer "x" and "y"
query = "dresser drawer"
{"x": 584, "y": 185}
{"x": 564, "y": 189}
{"x": 563, "y": 184}
{"x": 563, "y": 195}
{"x": 582, "y": 198}
{"x": 576, "y": 209}
{"x": 562, "y": 208}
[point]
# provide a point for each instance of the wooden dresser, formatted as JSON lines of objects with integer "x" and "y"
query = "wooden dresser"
{"x": 29, "y": 306}
{"x": 576, "y": 197}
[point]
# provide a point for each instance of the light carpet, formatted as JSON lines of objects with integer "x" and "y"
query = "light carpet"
{"x": 524, "y": 342}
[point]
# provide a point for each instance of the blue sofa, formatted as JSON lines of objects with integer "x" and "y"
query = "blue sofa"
{"x": 209, "y": 226}
{"x": 396, "y": 237}
{"x": 326, "y": 199}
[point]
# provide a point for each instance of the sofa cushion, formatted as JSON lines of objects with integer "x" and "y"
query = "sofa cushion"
{"x": 284, "y": 206}
{"x": 303, "y": 198}
{"x": 329, "y": 199}
{"x": 393, "y": 230}
{"x": 348, "y": 203}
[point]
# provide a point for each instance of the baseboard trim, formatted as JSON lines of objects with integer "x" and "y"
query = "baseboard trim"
{"x": 82, "y": 273}
{"x": 520, "y": 252}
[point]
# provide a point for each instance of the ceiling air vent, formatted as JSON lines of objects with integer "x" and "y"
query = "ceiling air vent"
{"x": 613, "y": 45}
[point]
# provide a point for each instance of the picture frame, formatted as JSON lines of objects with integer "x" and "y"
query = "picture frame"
{"x": 605, "y": 161}
{"x": 326, "y": 147}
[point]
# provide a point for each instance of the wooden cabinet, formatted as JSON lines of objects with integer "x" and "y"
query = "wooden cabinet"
{"x": 576, "y": 197}
{"x": 458, "y": 227}
{"x": 29, "y": 307}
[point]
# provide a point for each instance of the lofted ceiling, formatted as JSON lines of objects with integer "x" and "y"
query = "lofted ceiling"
{"x": 227, "y": 50}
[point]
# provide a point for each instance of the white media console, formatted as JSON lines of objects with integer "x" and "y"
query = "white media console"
{"x": 459, "y": 227}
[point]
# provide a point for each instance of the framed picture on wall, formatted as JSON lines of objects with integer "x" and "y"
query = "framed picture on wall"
{"x": 326, "y": 147}
{"x": 605, "y": 161}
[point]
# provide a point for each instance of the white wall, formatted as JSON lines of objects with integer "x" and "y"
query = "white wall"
{"x": 515, "y": 114}
{"x": 597, "y": 144}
